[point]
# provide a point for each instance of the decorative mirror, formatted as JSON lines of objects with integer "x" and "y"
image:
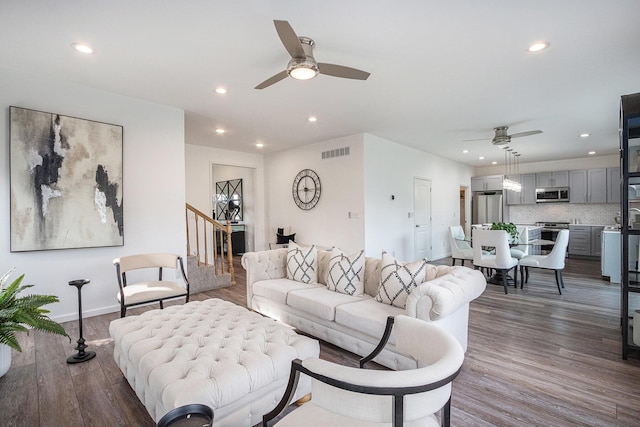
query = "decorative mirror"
{"x": 228, "y": 201}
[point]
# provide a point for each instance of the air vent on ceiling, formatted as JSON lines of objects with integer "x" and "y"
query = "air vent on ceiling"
{"x": 338, "y": 152}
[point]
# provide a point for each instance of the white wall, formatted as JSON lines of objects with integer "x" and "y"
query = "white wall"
{"x": 390, "y": 169}
{"x": 200, "y": 161}
{"x": 153, "y": 189}
{"x": 341, "y": 178}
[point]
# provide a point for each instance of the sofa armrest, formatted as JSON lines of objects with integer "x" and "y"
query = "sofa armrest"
{"x": 443, "y": 295}
{"x": 264, "y": 265}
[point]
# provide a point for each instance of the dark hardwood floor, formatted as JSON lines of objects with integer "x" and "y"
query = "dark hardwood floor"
{"x": 535, "y": 358}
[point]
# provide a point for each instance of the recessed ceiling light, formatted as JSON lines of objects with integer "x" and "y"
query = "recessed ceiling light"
{"x": 537, "y": 47}
{"x": 465, "y": 151}
{"x": 481, "y": 158}
{"x": 585, "y": 135}
{"x": 221, "y": 91}
{"x": 84, "y": 48}
{"x": 220, "y": 131}
{"x": 494, "y": 163}
{"x": 259, "y": 145}
{"x": 591, "y": 153}
{"x": 313, "y": 119}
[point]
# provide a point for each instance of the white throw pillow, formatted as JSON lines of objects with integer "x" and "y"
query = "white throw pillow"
{"x": 346, "y": 273}
{"x": 302, "y": 263}
{"x": 398, "y": 279}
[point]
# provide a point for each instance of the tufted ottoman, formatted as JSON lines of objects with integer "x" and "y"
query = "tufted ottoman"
{"x": 211, "y": 352}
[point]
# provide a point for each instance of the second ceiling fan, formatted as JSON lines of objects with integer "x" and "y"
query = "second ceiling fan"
{"x": 302, "y": 65}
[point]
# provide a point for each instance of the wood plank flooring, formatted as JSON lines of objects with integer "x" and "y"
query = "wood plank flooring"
{"x": 535, "y": 358}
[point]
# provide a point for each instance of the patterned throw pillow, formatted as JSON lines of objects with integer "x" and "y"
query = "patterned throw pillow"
{"x": 302, "y": 263}
{"x": 397, "y": 279}
{"x": 346, "y": 273}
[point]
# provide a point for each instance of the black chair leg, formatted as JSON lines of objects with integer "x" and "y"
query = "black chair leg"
{"x": 559, "y": 280}
{"x": 505, "y": 280}
{"x": 462, "y": 262}
{"x": 515, "y": 277}
{"x": 526, "y": 270}
{"x": 521, "y": 277}
{"x": 161, "y": 306}
{"x": 453, "y": 261}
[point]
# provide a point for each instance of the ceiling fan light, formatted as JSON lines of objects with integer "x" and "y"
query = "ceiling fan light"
{"x": 303, "y": 72}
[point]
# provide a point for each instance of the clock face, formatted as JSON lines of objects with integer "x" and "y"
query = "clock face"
{"x": 306, "y": 189}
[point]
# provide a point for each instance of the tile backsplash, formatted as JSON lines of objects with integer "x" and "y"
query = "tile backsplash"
{"x": 596, "y": 214}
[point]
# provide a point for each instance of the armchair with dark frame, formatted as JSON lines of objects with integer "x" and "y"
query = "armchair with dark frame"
{"x": 343, "y": 395}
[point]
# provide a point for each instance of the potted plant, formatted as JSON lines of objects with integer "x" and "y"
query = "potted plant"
{"x": 509, "y": 227}
{"x": 17, "y": 313}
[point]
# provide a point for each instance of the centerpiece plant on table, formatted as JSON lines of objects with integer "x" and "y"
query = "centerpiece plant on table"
{"x": 509, "y": 227}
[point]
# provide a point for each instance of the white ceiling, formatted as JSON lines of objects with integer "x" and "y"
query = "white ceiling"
{"x": 441, "y": 71}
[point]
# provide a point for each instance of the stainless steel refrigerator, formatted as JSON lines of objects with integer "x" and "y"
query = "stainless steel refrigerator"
{"x": 486, "y": 208}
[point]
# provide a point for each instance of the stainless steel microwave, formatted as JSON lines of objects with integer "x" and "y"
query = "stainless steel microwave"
{"x": 545, "y": 195}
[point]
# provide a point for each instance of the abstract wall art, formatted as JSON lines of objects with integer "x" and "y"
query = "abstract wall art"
{"x": 66, "y": 182}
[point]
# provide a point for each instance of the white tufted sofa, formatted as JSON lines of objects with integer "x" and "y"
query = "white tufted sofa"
{"x": 355, "y": 323}
{"x": 211, "y": 352}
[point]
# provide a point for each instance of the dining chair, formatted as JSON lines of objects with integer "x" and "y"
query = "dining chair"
{"x": 553, "y": 261}
{"x": 460, "y": 248}
{"x": 501, "y": 260}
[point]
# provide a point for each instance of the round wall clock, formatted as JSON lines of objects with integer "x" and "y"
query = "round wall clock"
{"x": 306, "y": 189}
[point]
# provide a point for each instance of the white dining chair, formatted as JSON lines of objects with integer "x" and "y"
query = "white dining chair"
{"x": 553, "y": 261}
{"x": 460, "y": 248}
{"x": 501, "y": 260}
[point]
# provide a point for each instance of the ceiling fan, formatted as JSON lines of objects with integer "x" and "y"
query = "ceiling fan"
{"x": 502, "y": 137}
{"x": 302, "y": 65}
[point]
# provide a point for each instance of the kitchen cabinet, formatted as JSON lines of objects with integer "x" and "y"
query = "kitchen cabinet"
{"x": 613, "y": 185}
{"x": 486, "y": 183}
{"x": 596, "y": 240}
{"x": 588, "y": 186}
{"x": 579, "y": 240}
{"x": 552, "y": 179}
{"x": 527, "y": 196}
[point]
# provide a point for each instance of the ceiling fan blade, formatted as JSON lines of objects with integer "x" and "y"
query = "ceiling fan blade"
{"x": 273, "y": 79}
{"x": 531, "y": 132}
{"x": 289, "y": 39}
{"x": 342, "y": 71}
{"x": 479, "y": 139}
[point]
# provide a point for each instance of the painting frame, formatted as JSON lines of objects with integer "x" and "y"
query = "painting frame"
{"x": 66, "y": 179}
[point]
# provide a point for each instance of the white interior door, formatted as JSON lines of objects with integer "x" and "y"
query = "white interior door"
{"x": 422, "y": 218}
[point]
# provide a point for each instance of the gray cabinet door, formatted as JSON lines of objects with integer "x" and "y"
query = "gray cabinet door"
{"x": 513, "y": 197}
{"x": 552, "y": 179}
{"x": 613, "y": 185}
{"x": 596, "y": 240}
{"x": 477, "y": 183}
{"x": 597, "y": 185}
{"x": 493, "y": 183}
{"x": 578, "y": 192}
{"x": 528, "y": 182}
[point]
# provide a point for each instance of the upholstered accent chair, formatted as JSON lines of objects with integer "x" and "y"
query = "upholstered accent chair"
{"x": 501, "y": 260}
{"x": 553, "y": 261}
{"x": 460, "y": 248}
{"x": 347, "y": 396}
{"x": 143, "y": 290}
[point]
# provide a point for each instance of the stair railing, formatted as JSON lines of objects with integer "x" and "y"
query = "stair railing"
{"x": 209, "y": 236}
